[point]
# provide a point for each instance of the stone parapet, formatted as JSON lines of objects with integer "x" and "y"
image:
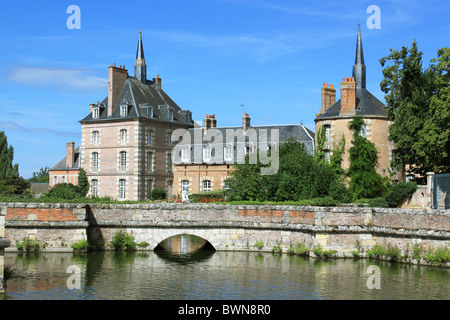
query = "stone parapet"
{"x": 228, "y": 227}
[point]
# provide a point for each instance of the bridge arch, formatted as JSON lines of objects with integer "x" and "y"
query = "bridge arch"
{"x": 165, "y": 234}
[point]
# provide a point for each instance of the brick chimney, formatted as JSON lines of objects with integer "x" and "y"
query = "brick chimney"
{"x": 70, "y": 154}
{"x": 328, "y": 96}
{"x": 245, "y": 122}
{"x": 157, "y": 81}
{"x": 117, "y": 76}
{"x": 348, "y": 97}
{"x": 209, "y": 122}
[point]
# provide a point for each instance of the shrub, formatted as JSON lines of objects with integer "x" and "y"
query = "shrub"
{"x": 376, "y": 252}
{"x": 13, "y": 185}
{"x": 80, "y": 245}
{"x": 259, "y": 244}
{"x": 378, "y": 203}
{"x": 30, "y": 245}
{"x": 277, "y": 249}
{"x": 123, "y": 241}
{"x": 66, "y": 191}
{"x": 213, "y": 196}
{"x": 302, "y": 249}
{"x": 417, "y": 252}
{"x": 400, "y": 192}
{"x": 159, "y": 193}
{"x": 393, "y": 253}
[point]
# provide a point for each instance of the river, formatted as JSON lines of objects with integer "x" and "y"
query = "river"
{"x": 210, "y": 275}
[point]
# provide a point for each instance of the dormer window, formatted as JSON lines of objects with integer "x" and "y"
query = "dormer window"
{"x": 123, "y": 110}
{"x": 96, "y": 113}
{"x": 207, "y": 153}
{"x": 170, "y": 115}
{"x": 147, "y": 110}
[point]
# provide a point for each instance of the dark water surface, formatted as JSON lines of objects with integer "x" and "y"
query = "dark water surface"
{"x": 216, "y": 275}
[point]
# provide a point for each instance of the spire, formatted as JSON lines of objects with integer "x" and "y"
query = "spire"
{"x": 359, "y": 69}
{"x": 140, "y": 68}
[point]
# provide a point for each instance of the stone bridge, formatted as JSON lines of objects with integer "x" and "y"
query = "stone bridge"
{"x": 226, "y": 227}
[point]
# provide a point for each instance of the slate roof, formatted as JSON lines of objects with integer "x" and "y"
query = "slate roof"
{"x": 61, "y": 165}
{"x": 366, "y": 105}
{"x": 298, "y": 132}
{"x": 138, "y": 96}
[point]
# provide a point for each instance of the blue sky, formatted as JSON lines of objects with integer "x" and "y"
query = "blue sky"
{"x": 213, "y": 56}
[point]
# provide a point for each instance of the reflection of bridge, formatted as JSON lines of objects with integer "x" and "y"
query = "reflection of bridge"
{"x": 227, "y": 227}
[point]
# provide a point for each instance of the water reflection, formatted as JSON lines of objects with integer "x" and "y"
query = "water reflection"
{"x": 206, "y": 275}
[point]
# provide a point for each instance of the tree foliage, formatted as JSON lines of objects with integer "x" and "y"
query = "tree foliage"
{"x": 418, "y": 100}
{"x": 83, "y": 183}
{"x": 365, "y": 181}
{"x": 300, "y": 176}
{"x": 7, "y": 169}
{"x": 41, "y": 176}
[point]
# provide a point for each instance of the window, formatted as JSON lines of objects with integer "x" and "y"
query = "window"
{"x": 185, "y": 186}
{"x": 207, "y": 151}
{"x": 94, "y": 161}
{"x": 63, "y": 179}
{"x": 123, "y": 161}
{"x": 169, "y": 162}
{"x": 186, "y": 154}
{"x": 95, "y": 136}
{"x": 228, "y": 153}
{"x": 327, "y": 133}
{"x": 123, "y": 136}
{"x": 55, "y": 180}
{"x": 122, "y": 189}
{"x": 96, "y": 113}
{"x": 170, "y": 115}
{"x": 123, "y": 110}
{"x": 149, "y": 137}
{"x": 149, "y": 161}
{"x": 94, "y": 184}
{"x": 363, "y": 131}
{"x": 169, "y": 139}
{"x": 206, "y": 185}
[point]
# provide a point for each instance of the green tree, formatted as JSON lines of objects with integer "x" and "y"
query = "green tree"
{"x": 300, "y": 176}
{"x": 418, "y": 101}
{"x": 7, "y": 169}
{"x": 365, "y": 182}
{"x": 14, "y": 185}
{"x": 433, "y": 144}
{"x": 83, "y": 183}
{"x": 41, "y": 176}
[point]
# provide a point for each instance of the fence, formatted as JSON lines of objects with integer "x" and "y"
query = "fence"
{"x": 441, "y": 191}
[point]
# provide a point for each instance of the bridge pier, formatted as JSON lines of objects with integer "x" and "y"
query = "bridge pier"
{"x": 4, "y": 243}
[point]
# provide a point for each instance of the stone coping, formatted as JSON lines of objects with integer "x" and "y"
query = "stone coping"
{"x": 196, "y": 206}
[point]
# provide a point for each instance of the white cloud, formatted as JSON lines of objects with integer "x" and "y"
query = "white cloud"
{"x": 61, "y": 79}
{"x": 10, "y": 125}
